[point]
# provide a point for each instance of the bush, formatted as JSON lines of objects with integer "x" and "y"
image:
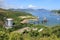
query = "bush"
{"x": 34, "y": 33}
{"x": 14, "y": 36}
{"x": 4, "y": 35}
{"x": 53, "y": 37}
{"x": 26, "y": 36}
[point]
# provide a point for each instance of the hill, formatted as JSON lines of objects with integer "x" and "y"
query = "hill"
{"x": 41, "y": 10}
{"x": 56, "y": 11}
{"x": 11, "y": 14}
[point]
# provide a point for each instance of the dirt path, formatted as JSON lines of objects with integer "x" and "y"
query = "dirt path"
{"x": 22, "y": 30}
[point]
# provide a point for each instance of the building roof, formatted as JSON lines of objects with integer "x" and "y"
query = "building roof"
{"x": 9, "y": 19}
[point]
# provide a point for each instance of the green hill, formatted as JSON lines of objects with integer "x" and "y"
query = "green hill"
{"x": 56, "y": 11}
{"x": 12, "y": 14}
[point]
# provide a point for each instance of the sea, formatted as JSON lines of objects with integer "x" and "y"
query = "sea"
{"x": 52, "y": 18}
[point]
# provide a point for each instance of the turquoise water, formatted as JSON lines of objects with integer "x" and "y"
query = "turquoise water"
{"x": 51, "y": 17}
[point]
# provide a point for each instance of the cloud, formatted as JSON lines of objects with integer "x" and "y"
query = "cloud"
{"x": 32, "y": 6}
{"x": 1, "y": 0}
{"x": 21, "y": 7}
{"x": 1, "y": 3}
{"x": 13, "y": 6}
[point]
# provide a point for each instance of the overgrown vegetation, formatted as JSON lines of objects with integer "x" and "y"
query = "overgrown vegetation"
{"x": 11, "y": 14}
{"x": 48, "y": 33}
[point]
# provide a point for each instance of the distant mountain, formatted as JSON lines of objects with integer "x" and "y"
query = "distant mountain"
{"x": 30, "y": 10}
{"x": 34, "y": 12}
{"x": 20, "y": 9}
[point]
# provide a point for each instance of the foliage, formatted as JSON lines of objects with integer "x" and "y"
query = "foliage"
{"x": 56, "y": 11}
{"x": 48, "y": 33}
{"x": 12, "y": 14}
{"x": 4, "y": 35}
{"x": 26, "y": 36}
{"x": 14, "y": 36}
{"x": 34, "y": 33}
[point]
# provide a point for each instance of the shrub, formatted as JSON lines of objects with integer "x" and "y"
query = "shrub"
{"x": 14, "y": 36}
{"x": 26, "y": 36}
{"x": 4, "y": 35}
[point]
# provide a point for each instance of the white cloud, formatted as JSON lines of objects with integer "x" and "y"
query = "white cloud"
{"x": 12, "y": 6}
{"x": 21, "y": 7}
{"x": 1, "y": 3}
{"x": 32, "y": 6}
{"x": 1, "y": 0}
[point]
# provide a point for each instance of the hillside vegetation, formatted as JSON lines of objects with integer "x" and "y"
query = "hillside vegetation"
{"x": 41, "y": 33}
{"x": 48, "y": 33}
{"x": 4, "y": 13}
{"x": 56, "y": 11}
{"x": 13, "y": 14}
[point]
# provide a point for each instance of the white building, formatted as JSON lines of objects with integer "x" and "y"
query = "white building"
{"x": 9, "y": 22}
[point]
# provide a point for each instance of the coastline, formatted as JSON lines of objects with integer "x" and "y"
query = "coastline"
{"x": 27, "y": 18}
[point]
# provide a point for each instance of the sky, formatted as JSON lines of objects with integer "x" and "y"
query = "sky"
{"x": 35, "y": 4}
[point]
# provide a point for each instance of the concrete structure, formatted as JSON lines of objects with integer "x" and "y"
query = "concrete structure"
{"x": 9, "y": 22}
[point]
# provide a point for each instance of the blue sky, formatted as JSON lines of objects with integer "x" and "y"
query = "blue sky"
{"x": 35, "y": 4}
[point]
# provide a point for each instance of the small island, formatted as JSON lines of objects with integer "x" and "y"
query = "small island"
{"x": 57, "y": 12}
